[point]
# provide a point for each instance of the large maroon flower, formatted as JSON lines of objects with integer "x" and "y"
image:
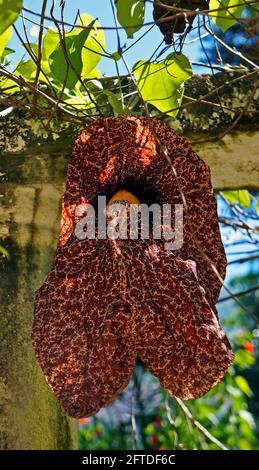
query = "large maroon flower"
{"x": 106, "y": 301}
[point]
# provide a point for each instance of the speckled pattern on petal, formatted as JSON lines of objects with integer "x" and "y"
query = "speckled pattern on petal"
{"x": 107, "y": 301}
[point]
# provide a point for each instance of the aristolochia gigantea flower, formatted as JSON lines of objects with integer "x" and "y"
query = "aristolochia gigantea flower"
{"x": 108, "y": 300}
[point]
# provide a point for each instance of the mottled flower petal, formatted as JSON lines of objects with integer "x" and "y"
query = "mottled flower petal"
{"x": 107, "y": 301}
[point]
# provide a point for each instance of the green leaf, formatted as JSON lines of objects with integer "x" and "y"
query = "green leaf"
{"x": 8, "y": 86}
{"x": 9, "y": 12}
{"x": 5, "y": 38}
{"x": 93, "y": 49}
{"x": 244, "y": 444}
{"x": 233, "y": 391}
{"x": 163, "y": 84}
{"x": 27, "y": 70}
{"x": 115, "y": 103}
{"x": 32, "y": 46}
{"x": 95, "y": 73}
{"x": 248, "y": 417}
{"x": 79, "y": 101}
{"x": 224, "y": 19}
{"x": 243, "y": 359}
{"x": 4, "y": 252}
{"x": 243, "y": 385}
{"x": 130, "y": 15}
{"x": 49, "y": 44}
{"x": 7, "y": 52}
{"x": 4, "y": 56}
{"x": 59, "y": 65}
{"x": 241, "y": 197}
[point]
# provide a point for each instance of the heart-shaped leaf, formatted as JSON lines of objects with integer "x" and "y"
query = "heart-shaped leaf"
{"x": 27, "y": 70}
{"x": 94, "y": 46}
{"x": 66, "y": 60}
{"x": 130, "y": 15}
{"x": 5, "y": 38}
{"x": 225, "y": 18}
{"x": 241, "y": 197}
{"x": 9, "y": 12}
{"x": 162, "y": 84}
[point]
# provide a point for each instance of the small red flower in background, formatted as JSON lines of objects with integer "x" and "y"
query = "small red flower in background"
{"x": 83, "y": 421}
{"x": 249, "y": 347}
{"x": 157, "y": 422}
{"x": 153, "y": 440}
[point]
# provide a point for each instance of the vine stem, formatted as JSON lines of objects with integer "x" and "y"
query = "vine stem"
{"x": 43, "y": 12}
{"x": 198, "y": 425}
{"x": 133, "y": 414}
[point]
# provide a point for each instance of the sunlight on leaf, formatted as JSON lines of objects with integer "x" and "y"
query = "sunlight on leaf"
{"x": 64, "y": 72}
{"x": 95, "y": 73}
{"x": 248, "y": 417}
{"x": 243, "y": 359}
{"x": 31, "y": 46}
{"x": 130, "y": 15}
{"x": 225, "y": 18}
{"x": 4, "y": 252}
{"x": 94, "y": 46}
{"x": 79, "y": 102}
{"x": 163, "y": 84}
{"x": 241, "y": 197}
{"x": 7, "y": 52}
{"x": 8, "y": 86}
{"x": 5, "y": 38}
{"x": 9, "y": 12}
{"x": 243, "y": 385}
{"x": 85, "y": 49}
{"x": 27, "y": 70}
{"x": 50, "y": 42}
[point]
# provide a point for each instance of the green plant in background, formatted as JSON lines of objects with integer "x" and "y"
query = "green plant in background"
{"x": 62, "y": 63}
{"x": 4, "y": 252}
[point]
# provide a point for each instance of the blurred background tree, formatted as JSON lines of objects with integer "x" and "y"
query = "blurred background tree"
{"x": 242, "y": 36}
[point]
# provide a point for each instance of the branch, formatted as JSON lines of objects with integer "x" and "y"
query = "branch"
{"x": 238, "y": 294}
{"x": 198, "y": 425}
{"x": 205, "y": 12}
{"x": 230, "y": 49}
{"x": 243, "y": 260}
{"x": 132, "y": 412}
{"x": 239, "y": 224}
{"x": 23, "y": 84}
{"x": 43, "y": 11}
